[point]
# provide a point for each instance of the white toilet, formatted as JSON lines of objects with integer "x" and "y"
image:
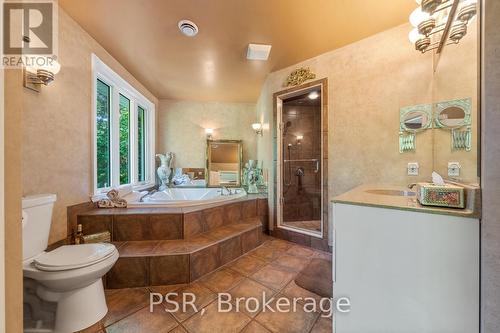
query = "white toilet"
{"x": 69, "y": 275}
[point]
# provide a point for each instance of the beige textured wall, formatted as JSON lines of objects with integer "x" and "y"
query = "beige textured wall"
{"x": 13, "y": 187}
{"x": 181, "y": 129}
{"x": 57, "y": 122}
{"x": 369, "y": 81}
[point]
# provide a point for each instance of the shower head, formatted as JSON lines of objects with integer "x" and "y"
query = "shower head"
{"x": 285, "y": 128}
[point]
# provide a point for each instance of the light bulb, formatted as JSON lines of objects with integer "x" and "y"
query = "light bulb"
{"x": 468, "y": 2}
{"x": 414, "y": 35}
{"x": 418, "y": 16}
{"x": 53, "y": 67}
{"x": 313, "y": 95}
{"x": 257, "y": 126}
{"x": 209, "y": 131}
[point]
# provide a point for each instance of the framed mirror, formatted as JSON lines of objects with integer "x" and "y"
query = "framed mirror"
{"x": 453, "y": 114}
{"x": 416, "y": 118}
{"x": 224, "y": 160}
{"x": 413, "y": 119}
{"x": 416, "y": 121}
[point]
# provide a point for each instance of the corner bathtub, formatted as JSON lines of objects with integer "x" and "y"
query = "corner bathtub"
{"x": 182, "y": 197}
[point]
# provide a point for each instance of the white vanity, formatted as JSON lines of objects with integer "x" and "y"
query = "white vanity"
{"x": 404, "y": 267}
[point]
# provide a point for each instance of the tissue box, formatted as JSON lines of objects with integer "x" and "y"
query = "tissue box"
{"x": 446, "y": 195}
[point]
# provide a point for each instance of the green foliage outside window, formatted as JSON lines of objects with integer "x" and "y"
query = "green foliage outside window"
{"x": 141, "y": 144}
{"x": 103, "y": 126}
{"x": 124, "y": 140}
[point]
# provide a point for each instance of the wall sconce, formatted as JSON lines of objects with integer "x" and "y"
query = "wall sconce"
{"x": 257, "y": 127}
{"x": 35, "y": 77}
{"x": 438, "y": 23}
{"x": 209, "y": 132}
{"x": 299, "y": 139}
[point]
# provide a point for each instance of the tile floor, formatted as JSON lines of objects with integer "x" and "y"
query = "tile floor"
{"x": 268, "y": 270}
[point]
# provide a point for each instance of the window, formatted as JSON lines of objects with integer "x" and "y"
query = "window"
{"x": 141, "y": 144}
{"x": 124, "y": 140}
{"x": 103, "y": 128}
{"x": 123, "y": 132}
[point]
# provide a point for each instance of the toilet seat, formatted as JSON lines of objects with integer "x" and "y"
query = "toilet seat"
{"x": 69, "y": 257}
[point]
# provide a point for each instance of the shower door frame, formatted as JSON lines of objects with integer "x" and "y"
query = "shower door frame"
{"x": 278, "y": 98}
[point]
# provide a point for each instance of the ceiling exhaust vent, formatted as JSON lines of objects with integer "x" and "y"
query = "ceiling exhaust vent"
{"x": 188, "y": 28}
{"x": 258, "y": 51}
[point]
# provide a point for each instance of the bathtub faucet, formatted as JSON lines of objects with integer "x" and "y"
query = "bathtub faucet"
{"x": 222, "y": 188}
{"x": 141, "y": 199}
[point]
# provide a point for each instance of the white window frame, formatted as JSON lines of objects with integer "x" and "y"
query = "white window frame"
{"x": 100, "y": 71}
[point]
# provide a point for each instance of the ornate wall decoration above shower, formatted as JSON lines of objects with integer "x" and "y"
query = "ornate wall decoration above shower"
{"x": 299, "y": 76}
{"x": 413, "y": 119}
{"x": 455, "y": 116}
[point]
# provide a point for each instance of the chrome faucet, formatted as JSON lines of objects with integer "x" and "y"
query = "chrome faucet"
{"x": 222, "y": 188}
{"x": 141, "y": 199}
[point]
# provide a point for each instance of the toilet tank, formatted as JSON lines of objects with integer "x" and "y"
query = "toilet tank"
{"x": 36, "y": 220}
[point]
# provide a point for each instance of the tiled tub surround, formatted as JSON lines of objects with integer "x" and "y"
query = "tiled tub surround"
{"x": 167, "y": 246}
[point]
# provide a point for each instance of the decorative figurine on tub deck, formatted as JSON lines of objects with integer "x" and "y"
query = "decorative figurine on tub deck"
{"x": 252, "y": 176}
{"x": 165, "y": 169}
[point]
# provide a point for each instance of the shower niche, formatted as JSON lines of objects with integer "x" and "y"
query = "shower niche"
{"x": 301, "y": 118}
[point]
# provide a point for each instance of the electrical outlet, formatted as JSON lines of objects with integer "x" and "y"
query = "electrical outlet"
{"x": 413, "y": 169}
{"x": 454, "y": 169}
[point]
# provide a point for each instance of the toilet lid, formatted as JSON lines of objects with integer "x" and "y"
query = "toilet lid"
{"x": 74, "y": 256}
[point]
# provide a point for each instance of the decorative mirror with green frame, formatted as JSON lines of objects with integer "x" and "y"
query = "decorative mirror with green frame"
{"x": 455, "y": 116}
{"x": 224, "y": 163}
{"x": 413, "y": 119}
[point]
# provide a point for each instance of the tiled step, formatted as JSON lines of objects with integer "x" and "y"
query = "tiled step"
{"x": 168, "y": 262}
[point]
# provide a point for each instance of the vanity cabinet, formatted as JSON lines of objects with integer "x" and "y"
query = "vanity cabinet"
{"x": 405, "y": 271}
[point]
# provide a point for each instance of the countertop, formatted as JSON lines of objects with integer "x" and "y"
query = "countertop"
{"x": 359, "y": 196}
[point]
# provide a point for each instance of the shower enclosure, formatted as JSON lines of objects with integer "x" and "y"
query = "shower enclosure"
{"x": 301, "y": 162}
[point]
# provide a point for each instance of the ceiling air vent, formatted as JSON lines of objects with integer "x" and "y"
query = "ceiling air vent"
{"x": 188, "y": 28}
{"x": 258, "y": 51}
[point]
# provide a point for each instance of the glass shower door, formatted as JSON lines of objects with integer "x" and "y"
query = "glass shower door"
{"x": 301, "y": 168}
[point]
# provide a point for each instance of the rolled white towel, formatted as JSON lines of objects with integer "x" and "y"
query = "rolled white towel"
{"x": 123, "y": 190}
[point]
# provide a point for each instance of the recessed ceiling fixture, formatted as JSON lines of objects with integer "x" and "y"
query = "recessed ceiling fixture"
{"x": 258, "y": 51}
{"x": 188, "y": 28}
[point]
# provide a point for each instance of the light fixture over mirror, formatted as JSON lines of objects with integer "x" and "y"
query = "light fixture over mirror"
{"x": 438, "y": 23}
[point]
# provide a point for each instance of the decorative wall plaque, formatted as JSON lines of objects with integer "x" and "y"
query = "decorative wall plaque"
{"x": 298, "y": 77}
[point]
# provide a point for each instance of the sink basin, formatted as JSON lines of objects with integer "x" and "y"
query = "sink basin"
{"x": 392, "y": 192}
